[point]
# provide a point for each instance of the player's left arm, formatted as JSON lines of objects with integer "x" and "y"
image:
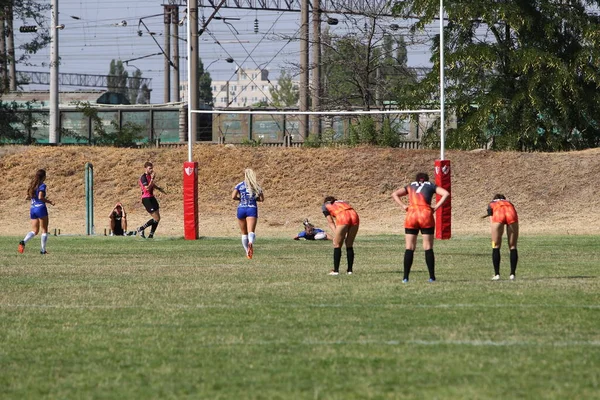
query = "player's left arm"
{"x": 235, "y": 195}
{"x": 440, "y": 191}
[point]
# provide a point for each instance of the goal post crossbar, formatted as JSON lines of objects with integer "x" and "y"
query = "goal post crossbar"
{"x": 294, "y": 112}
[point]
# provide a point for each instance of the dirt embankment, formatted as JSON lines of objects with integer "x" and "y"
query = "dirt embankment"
{"x": 553, "y": 192}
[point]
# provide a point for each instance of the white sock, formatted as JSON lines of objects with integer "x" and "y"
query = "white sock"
{"x": 44, "y": 240}
{"x": 29, "y": 236}
{"x": 251, "y": 237}
{"x": 245, "y": 242}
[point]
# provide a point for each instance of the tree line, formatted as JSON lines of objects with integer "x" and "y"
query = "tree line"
{"x": 519, "y": 75}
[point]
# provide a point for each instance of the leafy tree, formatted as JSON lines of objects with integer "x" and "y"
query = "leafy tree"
{"x": 135, "y": 89}
{"x": 364, "y": 68}
{"x": 117, "y": 78}
{"x": 204, "y": 85}
{"x": 26, "y": 11}
{"x": 286, "y": 94}
{"x": 520, "y": 74}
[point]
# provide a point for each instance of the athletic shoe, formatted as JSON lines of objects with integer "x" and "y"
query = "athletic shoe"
{"x": 250, "y": 251}
{"x": 431, "y": 280}
{"x": 21, "y": 246}
{"x": 333, "y": 273}
{"x": 43, "y": 252}
{"x": 151, "y": 236}
{"x": 496, "y": 278}
{"x": 512, "y": 277}
{"x": 404, "y": 280}
{"x": 349, "y": 273}
{"x": 142, "y": 235}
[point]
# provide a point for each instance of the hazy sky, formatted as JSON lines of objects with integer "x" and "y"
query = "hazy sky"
{"x": 98, "y": 31}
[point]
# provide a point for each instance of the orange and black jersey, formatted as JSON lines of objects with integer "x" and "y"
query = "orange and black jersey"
{"x": 343, "y": 213}
{"x": 502, "y": 211}
{"x": 335, "y": 208}
{"x": 420, "y": 194}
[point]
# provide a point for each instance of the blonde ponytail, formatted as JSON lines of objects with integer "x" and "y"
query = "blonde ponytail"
{"x": 251, "y": 183}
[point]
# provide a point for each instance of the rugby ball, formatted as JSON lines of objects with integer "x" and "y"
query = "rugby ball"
{"x": 320, "y": 236}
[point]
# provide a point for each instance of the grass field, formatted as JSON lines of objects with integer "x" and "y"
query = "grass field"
{"x": 127, "y": 318}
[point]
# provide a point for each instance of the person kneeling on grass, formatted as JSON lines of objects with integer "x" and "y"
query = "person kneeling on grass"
{"x": 310, "y": 232}
{"x": 118, "y": 221}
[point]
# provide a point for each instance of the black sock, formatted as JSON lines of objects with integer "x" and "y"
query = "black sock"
{"x": 350, "y": 257}
{"x": 514, "y": 258}
{"x": 408, "y": 260}
{"x": 430, "y": 260}
{"x": 496, "y": 260}
{"x": 147, "y": 224}
{"x": 337, "y": 256}
{"x": 154, "y": 226}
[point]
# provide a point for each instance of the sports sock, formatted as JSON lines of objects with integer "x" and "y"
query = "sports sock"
{"x": 350, "y": 257}
{"x": 251, "y": 237}
{"x": 408, "y": 260}
{"x": 245, "y": 242}
{"x": 44, "y": 240}
{"x": 496, "y": 260}
{"x": 430, "y": 261}
{"x": 154, "y": 226}
{"x": 29, "y": 236}
{"x": 514, "y": 259}
{"x": 337, "y": 257}
{"x": 148, "y": 223}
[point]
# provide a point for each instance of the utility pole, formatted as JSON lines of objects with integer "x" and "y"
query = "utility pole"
{"x": 3, "y": 61}
{"x": 175, "y": 35}
{"x": 304, "y": 73}
{"x": 193, "y": 69}
{"x": 316, "y": 70}
{"x": 167, "y": 72}
{"x": 10, "y": 48}
{"x": 54, "y": 115}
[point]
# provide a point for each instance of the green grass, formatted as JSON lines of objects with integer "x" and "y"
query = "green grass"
{"x": 126, "y": 318}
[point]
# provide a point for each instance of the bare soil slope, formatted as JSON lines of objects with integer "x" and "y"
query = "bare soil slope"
{"x": 553, "y": 193}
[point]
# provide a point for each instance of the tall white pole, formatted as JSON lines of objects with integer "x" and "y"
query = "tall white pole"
{"x": 189, "y": 80}
{"x": 54, "y": 116}
{"x": 442, "y": 112}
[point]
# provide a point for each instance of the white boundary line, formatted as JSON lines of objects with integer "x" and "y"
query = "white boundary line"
{"x": 225, "y": 306}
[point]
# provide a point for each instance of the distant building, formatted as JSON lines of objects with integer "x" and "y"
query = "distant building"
{"x": 251, "y": 86}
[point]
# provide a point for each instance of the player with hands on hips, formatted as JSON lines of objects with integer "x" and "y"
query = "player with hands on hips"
{"x": 420, "y": 217}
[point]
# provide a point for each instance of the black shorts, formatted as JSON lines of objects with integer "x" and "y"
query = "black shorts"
{"x": 151, "y": 204}
{"x": 424, "y": 231}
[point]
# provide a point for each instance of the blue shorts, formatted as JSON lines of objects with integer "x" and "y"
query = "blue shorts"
{"x": 245, "y": 212}
{"x": 38, "y": 212}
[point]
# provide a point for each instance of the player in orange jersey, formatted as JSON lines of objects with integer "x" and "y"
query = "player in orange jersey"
{"x": 419, "y": 216}
{"x": 344, "y": 222}
{"x": 502, "y": 212}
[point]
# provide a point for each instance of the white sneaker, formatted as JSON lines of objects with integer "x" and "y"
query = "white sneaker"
{"x": 333, "y": 273}
{"x": 512, "y": 277}
{"x": 349, "y": 272}
{"x": 496, "y": 278}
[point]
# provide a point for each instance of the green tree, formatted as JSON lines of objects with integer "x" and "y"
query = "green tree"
{"x": 117, "y": 78}
{"x": 286, "y": 94}
{"x": 30, "y": 12}
{"x": 520, "y": 75}
{"x": 135, "y": 87}
{"x": 364, "y": 68}
{"x": 204, "y": 85}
